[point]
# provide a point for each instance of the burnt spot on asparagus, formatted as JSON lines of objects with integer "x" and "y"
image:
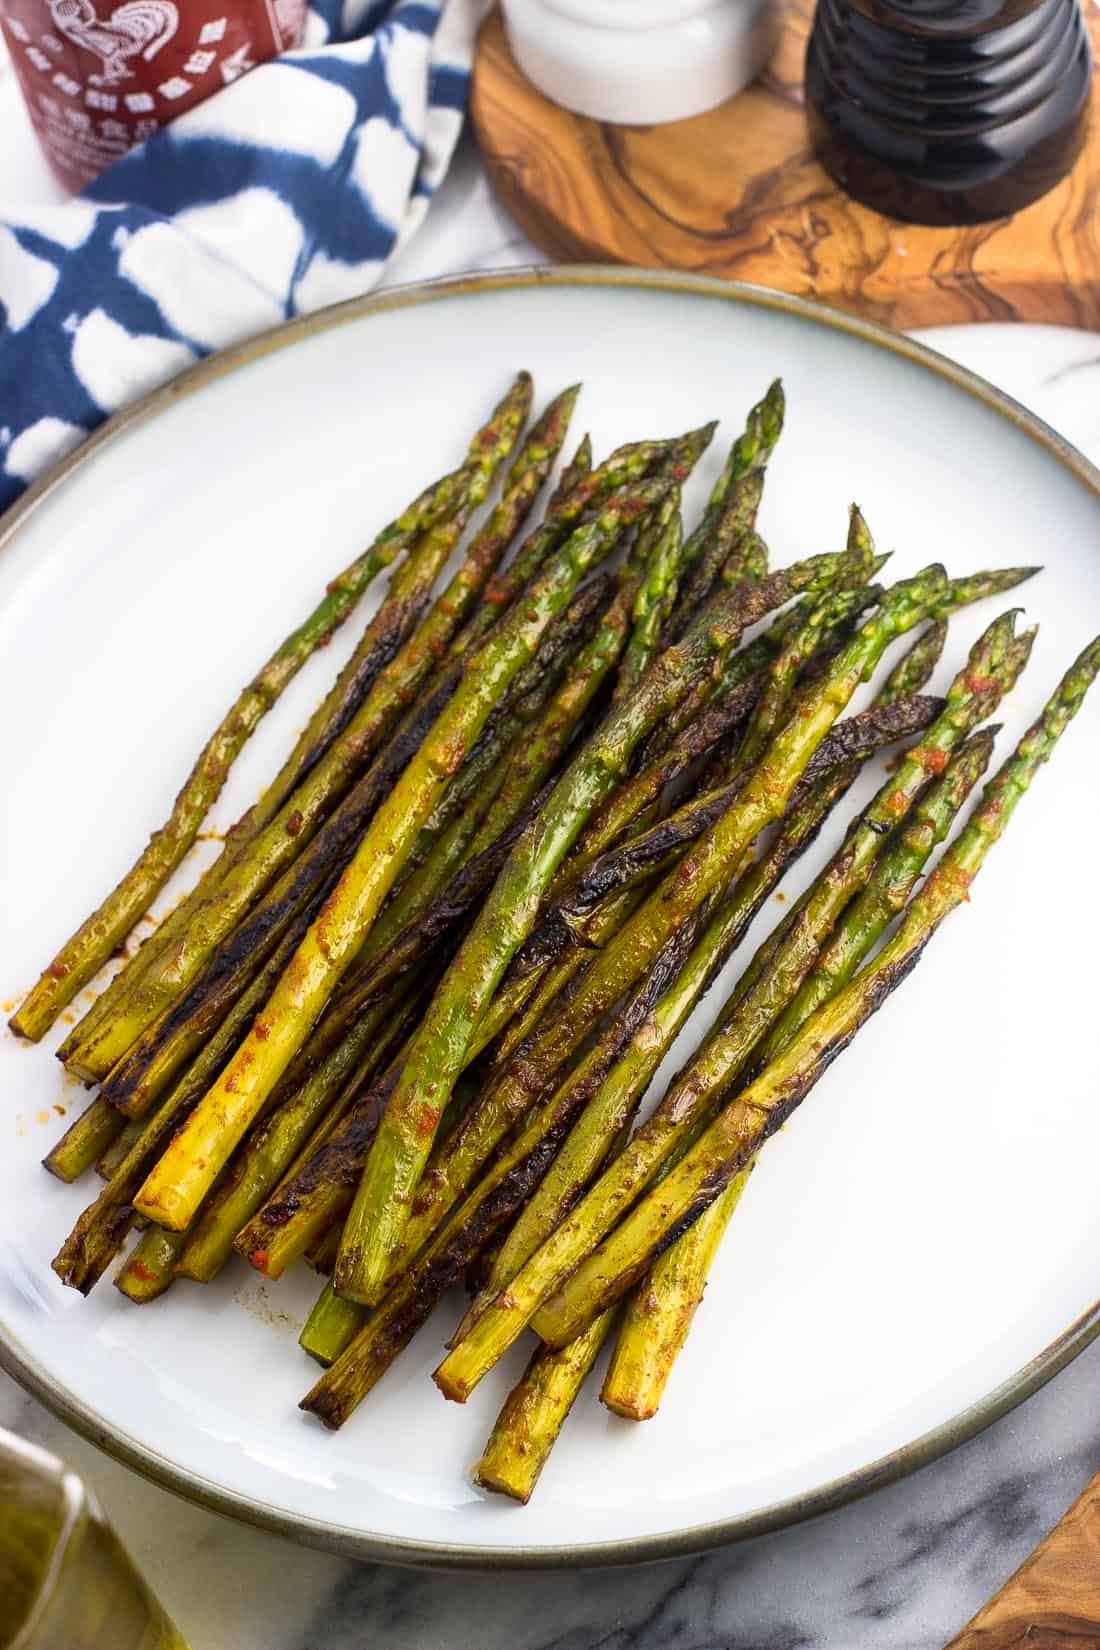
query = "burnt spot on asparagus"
{"x": 853, "y": 739}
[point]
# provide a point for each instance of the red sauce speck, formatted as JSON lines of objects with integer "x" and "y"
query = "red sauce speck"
{"x": 426, "y": 1121}
{"x": 294, "y": 823}
{"x": 932, "y": 761}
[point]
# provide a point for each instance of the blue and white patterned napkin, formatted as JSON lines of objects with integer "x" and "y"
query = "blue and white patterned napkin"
{"x": 286, "y": 191}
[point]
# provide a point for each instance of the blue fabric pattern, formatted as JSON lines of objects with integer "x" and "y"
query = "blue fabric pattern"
{"x": 285, "y": 191}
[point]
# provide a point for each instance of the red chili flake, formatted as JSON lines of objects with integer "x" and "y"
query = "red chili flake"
{"x": 262, "y": 1030}
{"x": 57, "y": 970}
{"x": 453, "y": 753}
{"x": 426, "y": 1121}
{"x": 932, "y": 761}
{"x": 294, "y": 823}
{"x": 953, "y": 876}
{"x": 977, "y": 683}
{"x": 962, "y": 880}
{"x": 140, "y": 1270}
{"x": 258, "y": 1258}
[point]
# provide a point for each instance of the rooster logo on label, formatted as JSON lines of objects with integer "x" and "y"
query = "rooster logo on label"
{"x": 138, "y": 27}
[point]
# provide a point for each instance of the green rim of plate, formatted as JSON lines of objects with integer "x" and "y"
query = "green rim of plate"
{"x": 344, "y": 1539}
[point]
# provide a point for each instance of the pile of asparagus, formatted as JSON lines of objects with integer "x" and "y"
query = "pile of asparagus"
{"x": 404, "y": 1025}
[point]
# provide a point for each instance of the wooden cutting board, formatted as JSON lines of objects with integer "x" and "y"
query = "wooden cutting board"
{"x": 737, "y": 192}
{"x": 1053, "y": 1600}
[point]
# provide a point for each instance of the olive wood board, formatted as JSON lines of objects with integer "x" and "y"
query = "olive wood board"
{"x": 1053, "y": 1600}
{"x": 737, "y": 192}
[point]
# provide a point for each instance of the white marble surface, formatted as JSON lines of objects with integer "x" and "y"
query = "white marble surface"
{"x": 902, "y": 1570}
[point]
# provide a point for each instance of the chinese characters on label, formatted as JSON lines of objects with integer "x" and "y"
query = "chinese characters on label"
{"x": 99, "y": 77}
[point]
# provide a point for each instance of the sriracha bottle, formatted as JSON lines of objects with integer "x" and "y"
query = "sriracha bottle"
{"x": 99, "y": 76}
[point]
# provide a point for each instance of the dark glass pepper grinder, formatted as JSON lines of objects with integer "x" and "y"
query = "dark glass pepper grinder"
{"x": 948, "y": 111}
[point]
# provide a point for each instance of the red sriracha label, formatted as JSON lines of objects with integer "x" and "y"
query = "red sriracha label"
{"x": 101, "y": 75}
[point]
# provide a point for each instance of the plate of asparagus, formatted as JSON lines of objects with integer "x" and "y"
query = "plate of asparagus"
{"x": 482, "y": 1003}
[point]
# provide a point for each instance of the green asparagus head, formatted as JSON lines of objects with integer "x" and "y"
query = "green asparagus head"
{"x": 753, "y": 447}
{"x": 545, "y": 436}
{"x": 877, "y": 564}
{"x": 1038, "y": 742}
{"x": 687, "y": 450}
{"x": 578, "y": 467}
{"x": 949, "y": 882}
{"x": 817, "y": 574}
{"x": 860, "y": 541}
{"x": 967, "y": 765}
{"x": 504, "y": 423}
{"x": 993, "y": 666}
{"x": 976, "y": 586}
{"x": 914, "y": 669}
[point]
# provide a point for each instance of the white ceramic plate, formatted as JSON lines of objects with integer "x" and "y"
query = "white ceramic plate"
{"x": 920, "y": 1248}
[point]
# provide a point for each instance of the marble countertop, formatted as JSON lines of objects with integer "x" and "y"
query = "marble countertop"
{"x": 902, "y": 1570}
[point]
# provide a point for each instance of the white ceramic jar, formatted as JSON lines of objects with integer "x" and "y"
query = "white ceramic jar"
{"x": 641, "y": 62}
